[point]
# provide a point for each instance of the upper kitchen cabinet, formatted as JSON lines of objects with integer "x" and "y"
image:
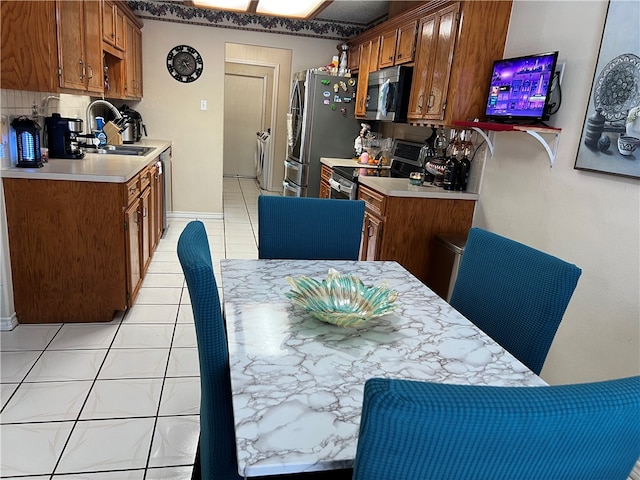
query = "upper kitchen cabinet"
{"x": 456, "y": 47}
{"x": 113, "y": 24}
{"x": 368, "y": 63}
{"x": 79, "y": 33}
{"x": 28, "y": 58}
{"x": 397, "y": 46}
{"x": 133, "y": 60}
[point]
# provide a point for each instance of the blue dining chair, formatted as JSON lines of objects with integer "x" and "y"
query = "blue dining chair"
{"x": 309, "y": 228}
{"x": 216, "y": 455}
{"x": 516, "y": 294}
{"x": 436, "y": 431}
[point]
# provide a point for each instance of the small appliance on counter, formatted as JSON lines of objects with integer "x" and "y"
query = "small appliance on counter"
{"x": 27, "y": 142}
{"x": 62, "y": 136}
{"x": 133, "y": 126}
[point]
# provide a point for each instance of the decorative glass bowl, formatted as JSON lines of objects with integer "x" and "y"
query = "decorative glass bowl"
{"x": 341, "y": 300}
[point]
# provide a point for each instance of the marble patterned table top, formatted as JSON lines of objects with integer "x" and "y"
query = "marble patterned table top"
{"x": 298, "y": 383}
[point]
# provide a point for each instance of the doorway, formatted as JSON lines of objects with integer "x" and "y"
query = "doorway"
{"x": 274, "y": 64}
{"x": 244, "y": 116}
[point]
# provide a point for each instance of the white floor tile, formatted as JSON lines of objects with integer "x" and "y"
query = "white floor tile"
{"x": 164, "y": 267}
{"x": 123, "y": 398}
{"x": 46, "y": 402}
{"x": 107, "y": 445}
{"x": 185, "y": 335}
{"x": 62, "y": 365}
{"x": 171, "y": 256}
{"x": 151, "y": 314}
{"x": 6, "y": 390}
{"x": 84, "y": 336}
{"x": 185, "y": 314}
{"x": 112, "y": 475}
{"x": 175, "y": 441}
{"x": 163, "y": 279}
{"x": 169, "y": 473}
{"x": 134, "y": 363}
{"x": 180, "y": 395}
{"x": 183, "y": 362}
{"x": 28, "y": 337}
{"x": 185, "y": 299}
{"x": 32, "y": 449}
{"x": 144, "y": 336}
{"x": 15, "y": 365}
{"x": 159, "y": 296}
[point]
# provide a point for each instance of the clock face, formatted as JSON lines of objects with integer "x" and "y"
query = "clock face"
{"x": 184, "y": 63}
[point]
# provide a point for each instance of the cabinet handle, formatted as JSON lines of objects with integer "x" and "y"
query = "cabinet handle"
{"x": 431, "y": 99}
{"x": 420, "y": 99}
{"x": 82, "y": 70}
{"x": 90, "y": 70}
{"x": 399, "y": 55}
{"x": 369, "y": 234}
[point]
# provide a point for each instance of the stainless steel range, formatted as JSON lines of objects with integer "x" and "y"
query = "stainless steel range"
{"x": 404, "y": 160}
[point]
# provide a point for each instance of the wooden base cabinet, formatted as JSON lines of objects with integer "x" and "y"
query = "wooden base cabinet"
{"x": 403, "y": 228}
{"x": 325, "y": 187}
{"x": 79, "y": 250}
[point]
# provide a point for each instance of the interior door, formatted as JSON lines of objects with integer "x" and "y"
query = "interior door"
{"x": 244, "y": 108}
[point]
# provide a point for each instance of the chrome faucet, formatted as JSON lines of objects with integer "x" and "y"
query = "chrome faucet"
{"x": 91, "y": 118}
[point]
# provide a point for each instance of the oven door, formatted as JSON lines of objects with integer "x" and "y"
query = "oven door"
{"x": 342, "y": 189}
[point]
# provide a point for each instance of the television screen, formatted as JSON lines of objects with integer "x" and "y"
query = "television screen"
{"x": 519, "y": 88}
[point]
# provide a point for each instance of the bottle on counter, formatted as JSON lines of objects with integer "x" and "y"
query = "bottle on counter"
{"x": 464, "y": 165}
{"x": 99, "y": 133}
{"x": 452, "y": 163}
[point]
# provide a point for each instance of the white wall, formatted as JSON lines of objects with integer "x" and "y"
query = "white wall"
{"x": 171, "y": 110}
{"x": 589, "y": 219}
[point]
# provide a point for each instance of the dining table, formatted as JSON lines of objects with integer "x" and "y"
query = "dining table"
{"x": 297, "y": 382}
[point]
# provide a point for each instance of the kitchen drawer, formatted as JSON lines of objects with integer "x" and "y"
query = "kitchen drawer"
{"x": 145, "y": 178}
{"x": 132, "y": 190}
{"x": 374, "y": 202}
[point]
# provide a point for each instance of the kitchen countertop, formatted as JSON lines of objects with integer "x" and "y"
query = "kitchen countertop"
{"x": 347, "y": 162}
{"x": 397, "y": 187}
{"x": 400, "y": 187}
{"x": 94, "y": 167}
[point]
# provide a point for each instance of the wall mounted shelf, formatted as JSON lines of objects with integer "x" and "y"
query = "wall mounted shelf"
{"x": 487, "y": 131}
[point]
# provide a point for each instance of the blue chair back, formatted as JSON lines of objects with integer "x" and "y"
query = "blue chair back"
{"x": 434, "y": 431}
{"x": 217, "y": 447}
{"x": 309, "y": 228}
{"x": 517, "y": 295}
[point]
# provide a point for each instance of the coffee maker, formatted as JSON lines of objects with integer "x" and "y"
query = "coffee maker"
{"x": 62, "y": 136}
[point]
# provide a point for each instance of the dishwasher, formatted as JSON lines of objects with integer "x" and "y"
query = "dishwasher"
{"x": 445, "y": 260}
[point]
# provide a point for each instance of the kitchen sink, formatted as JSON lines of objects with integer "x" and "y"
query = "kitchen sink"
{"x": 120, "y": 150}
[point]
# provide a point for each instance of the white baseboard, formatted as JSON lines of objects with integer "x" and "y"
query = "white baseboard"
{"x": 8, "y": 323}
{"x": 196, "y": 215}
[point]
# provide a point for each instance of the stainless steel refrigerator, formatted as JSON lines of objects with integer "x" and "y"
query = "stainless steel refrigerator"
{"x": 320, "y": 123}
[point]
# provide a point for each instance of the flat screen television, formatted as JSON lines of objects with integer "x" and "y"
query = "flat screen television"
{"x": 520, "y": 87}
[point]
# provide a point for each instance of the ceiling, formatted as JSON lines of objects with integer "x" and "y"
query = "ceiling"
{"x": 356, "y": 11}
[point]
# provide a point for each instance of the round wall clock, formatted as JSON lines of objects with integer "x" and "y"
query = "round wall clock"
{"x": 184, "y": 63}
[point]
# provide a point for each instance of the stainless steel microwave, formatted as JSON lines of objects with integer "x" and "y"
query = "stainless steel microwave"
{"x": 388, "y": 94}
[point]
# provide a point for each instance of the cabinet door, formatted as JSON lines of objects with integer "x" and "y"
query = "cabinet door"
{"x": 93, "y": 46}
{"x": 371, "y": 237}
{"x": 405, "y": 45}
{"x": 423, "y": 67}
{"x": 363, "y": 80}
{"x": 119, "y": 21}
{"x": 108, "y": 23}
{"x": 71, "y": 45}
{"x": 443, "y": 56}
{"x": 353, "y": 58}
{"x": 133, "y": 61}
{"x": 137, "y": 35}
{"x": 134, "y": 270}
{"x": 28, "y": 58}
{"x": 325, "y": 190}
{"x": 387, "y": 49}
{"x": 145, "y": 229}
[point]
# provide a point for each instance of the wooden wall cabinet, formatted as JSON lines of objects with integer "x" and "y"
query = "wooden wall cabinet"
{"x": 369, "y": 52}
{"x": 397, "y": 46}
{"x": 79, "y": 27}
{"x": 133, "y": 61}
{"x": 455, "y": 50}
{"x": 81, "y": 255}
{"x": 402, "y": 228}
{"x": 113, "y": 24}
{"x": 28, "y": 53}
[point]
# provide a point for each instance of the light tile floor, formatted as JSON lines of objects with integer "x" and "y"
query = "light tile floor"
{"x": 119, "y": 400}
